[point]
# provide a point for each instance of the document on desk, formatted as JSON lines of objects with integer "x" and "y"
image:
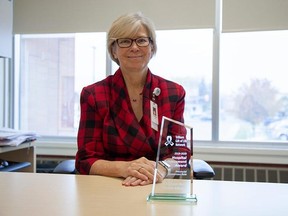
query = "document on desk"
{"x": 10, "y": 137}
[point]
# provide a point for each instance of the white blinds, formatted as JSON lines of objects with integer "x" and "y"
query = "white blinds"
{"x": 254, "y": 15}
{"x": 64, "y": 16}
{"x": 68, "y": 16}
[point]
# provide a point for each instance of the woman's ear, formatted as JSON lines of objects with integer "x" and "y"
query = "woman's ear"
{"x": 152, "y": 51}
{"x": 114, "y": 52}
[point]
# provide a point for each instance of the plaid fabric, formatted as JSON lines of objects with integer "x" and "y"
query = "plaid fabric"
{"x": 108, "y": 128}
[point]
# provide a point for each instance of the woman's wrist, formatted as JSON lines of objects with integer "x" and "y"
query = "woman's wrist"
{"x": 166, "y": 168}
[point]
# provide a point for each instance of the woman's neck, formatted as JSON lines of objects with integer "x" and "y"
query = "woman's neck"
{"x": 135, "y": 81}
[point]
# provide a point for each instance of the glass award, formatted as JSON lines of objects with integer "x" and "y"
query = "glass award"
{"x": 175, "y": 151}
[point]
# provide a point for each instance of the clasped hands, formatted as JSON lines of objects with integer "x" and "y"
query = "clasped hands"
{"x": 141, "y": 172}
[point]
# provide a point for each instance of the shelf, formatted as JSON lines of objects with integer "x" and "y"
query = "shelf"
{"x": 15, "y": 166}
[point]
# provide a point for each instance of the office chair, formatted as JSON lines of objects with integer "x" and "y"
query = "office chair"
{"x": 201, "y": 169}
{"x": 65, "y": 167}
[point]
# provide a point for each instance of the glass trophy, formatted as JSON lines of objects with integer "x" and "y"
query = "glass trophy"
{"x": 175, "y": 151}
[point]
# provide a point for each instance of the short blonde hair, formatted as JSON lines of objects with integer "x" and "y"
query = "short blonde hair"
{"x": 127, "y": 26}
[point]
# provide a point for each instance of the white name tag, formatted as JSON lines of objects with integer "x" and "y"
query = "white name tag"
{"x": 154, "y": 115}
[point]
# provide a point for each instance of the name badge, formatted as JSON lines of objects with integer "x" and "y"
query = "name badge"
{"x": 154, "y": 115}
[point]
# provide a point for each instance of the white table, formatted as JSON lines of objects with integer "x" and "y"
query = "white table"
{"x": 58, "y": 194}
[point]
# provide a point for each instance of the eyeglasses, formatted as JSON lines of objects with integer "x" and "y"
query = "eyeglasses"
{"x": 127, "y": 42}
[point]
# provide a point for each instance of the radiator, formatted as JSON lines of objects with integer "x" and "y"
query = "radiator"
{"x": 251, "y": 173}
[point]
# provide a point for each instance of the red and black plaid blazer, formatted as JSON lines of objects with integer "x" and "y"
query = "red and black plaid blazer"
{"x": 109, "y": 129}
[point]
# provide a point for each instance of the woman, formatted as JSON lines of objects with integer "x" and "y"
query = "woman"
{"x": 119, "y": 131}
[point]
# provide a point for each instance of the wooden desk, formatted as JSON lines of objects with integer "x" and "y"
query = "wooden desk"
{"x": 22, "y": 153}
{"x": 58, "y": 194}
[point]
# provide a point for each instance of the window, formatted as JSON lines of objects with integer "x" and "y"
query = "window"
{"x": 253, "y": 92}
{"x": 253, "y": 88}
{"x": 52, "y": 70}
{"x": 5, "y": 100}
{"x": 185, "y": 56}
{"x": 2, "y": 90}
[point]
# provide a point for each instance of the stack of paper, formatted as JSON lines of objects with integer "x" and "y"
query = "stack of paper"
{"x": 10, "y": 137}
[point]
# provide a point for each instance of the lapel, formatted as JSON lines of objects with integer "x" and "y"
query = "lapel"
{"x": 138, "y": 140}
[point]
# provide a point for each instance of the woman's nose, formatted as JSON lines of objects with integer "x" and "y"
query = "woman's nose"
{"x": 134, "y": 45}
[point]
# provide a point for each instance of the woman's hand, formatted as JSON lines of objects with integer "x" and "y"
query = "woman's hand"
{"x": 133, "y": 181}
{"x": 141, "y": 172}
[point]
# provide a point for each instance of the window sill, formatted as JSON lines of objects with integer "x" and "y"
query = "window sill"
{"x": 242, "y": 152}
{"x": 238, "y": 152}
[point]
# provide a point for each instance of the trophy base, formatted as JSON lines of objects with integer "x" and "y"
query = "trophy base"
{"x": 172, "y": 197}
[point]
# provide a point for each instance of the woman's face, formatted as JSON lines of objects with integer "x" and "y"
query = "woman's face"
{"x": 134, "y": 58}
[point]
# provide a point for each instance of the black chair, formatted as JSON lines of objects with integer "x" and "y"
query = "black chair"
{"x": 201, "y": 169}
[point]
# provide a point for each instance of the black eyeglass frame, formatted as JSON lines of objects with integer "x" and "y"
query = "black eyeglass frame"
{"x": 132, "y": 40}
